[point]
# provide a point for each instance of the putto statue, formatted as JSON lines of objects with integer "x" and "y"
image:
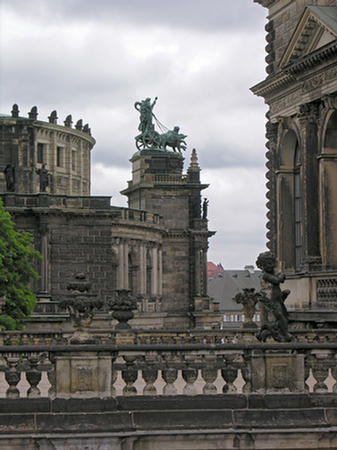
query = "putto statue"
{"x": 274, "y": 314}
{"x": 149, "y": 138}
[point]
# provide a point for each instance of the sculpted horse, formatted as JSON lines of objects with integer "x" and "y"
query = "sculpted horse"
{"x": 173, "y": 139}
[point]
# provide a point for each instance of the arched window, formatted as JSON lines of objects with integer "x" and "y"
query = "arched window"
{"x": 289, "y": 203}
{"x": 328, "y": 194}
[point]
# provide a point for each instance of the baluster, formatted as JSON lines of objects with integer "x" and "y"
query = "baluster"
{"x": 190, "y": 376}
{"x": 33, "y": 377}
{"x": 320, "y": 373}
{"x": 247, "y": 377}
{"x": 209, "y": 374}
{"x": 334, "y": 374}
{"x": 150, "y": 375}
{"x": 306, "y": 376}
{"x": 51, "y": 375}
{"x": 12, "y": 377}
{"x": 129, "y": 375}
{"x": 169, "y": 376}
{"x": 114, "y": 375}
{"x": 229, "y": 374}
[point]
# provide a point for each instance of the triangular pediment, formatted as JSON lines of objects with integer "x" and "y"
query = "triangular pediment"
{"x": 316, "y": 28}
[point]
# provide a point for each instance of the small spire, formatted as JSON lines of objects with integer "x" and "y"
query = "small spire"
{"x": 33, "y": 113}
{"x": 15, "y": 110}
{"x": 194, "y": 165}
{"x": 193, "y": 172}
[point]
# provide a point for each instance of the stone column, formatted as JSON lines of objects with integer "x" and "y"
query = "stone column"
{"x": 308, "y": 119}
{"x": 154, "y": 273}
{"x": 120, "y": 271}
{"x": 160, "y": 271}
{"x": 204, "y": 271}
{"x": 126, "y": 265}
{"x": 197, "y": 271}
{"x": 45, "y": 279}
{"x": 142, "y": 268}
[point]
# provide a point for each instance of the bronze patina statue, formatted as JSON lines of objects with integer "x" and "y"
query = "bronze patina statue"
{"x": 173, "y": 139}
{"x": 274, "y": 315}
{"x": 149, "y": 138}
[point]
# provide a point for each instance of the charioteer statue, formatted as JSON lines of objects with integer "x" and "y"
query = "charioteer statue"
{"x": 149, "y": 138}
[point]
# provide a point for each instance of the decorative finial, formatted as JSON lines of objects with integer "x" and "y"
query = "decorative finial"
{"x": 53, "y": 117}
{"x": 15, "y": 110}
{"x": 68, "y": 122}
{"x": 33, "y": 113}
{"x": 86, "y": 129}
{"x": 194, "y": 164}
{"x": 79, "y": 125}
{"x": 193, "y": 171}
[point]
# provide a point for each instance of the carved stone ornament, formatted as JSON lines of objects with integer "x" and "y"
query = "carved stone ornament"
{"x": 81, "y": 306}
{"x": 121, "y": 306}
{"x": 274, "y": 315}
{"x": 248, "y": 298}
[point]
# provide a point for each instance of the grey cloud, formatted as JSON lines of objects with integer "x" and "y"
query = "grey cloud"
{"x": 201, "y": 15}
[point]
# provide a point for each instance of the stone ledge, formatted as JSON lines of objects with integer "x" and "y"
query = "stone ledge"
{"x": 133, "y": 414}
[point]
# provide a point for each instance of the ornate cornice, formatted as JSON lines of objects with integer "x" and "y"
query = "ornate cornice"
{"x": 308, "y": 61}
{"x": 273, "y": 84}
{"x": 293, "y": 73}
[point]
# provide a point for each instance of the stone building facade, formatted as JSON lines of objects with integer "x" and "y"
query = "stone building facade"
{"x": 301, "y": 92}
{"x": 156, "y": 248}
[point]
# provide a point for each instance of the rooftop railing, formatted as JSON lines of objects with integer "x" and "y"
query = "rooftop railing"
{"x": 122, "y": 364}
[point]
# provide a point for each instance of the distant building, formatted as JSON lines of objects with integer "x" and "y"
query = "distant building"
{"x": 226, "y": 284}
{"x": 214, "y": 270}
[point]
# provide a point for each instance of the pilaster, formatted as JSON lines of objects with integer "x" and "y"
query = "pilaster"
{"x": 308, "y": 119}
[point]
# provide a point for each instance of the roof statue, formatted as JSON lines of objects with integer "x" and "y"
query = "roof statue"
{"x": 149, "y": 138}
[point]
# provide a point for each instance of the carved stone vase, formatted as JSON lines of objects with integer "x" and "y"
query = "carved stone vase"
{"x": 81, "y": 306}
{"x": 121, "y": 306}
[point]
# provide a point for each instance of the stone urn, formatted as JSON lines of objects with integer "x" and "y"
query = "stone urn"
{"x": 81, "y": 306}
{"x": 121, "y": 306}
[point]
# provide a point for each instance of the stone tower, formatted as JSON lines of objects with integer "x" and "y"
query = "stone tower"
{"x": 29, "y": 144}
{"x": 158, "y": 185}
{"x": 301, "y": 92}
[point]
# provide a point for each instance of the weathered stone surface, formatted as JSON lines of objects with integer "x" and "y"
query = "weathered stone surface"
{"x": 83, "y": 422}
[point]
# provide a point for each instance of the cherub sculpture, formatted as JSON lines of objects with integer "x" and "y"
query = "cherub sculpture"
{"x": 274, "y": 313}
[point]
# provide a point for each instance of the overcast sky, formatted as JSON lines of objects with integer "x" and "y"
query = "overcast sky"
{"x": 94, "y": 59}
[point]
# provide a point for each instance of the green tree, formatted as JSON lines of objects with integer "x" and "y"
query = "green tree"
{"x": 16, "y": 273}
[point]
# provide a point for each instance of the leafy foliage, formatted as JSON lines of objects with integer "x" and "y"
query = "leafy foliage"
{"x": 16, "y": 272}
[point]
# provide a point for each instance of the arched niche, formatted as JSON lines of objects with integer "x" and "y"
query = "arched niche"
{"x": 330, "y": 136}
{"x": 328, "y": 193}
{"x": 288, "y": 148}
{"x": 288, "y": 203}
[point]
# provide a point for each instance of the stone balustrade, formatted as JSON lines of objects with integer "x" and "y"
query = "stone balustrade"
{"x": 61, "y": 370}
{"x": 109, "y": 336}
{"x": 44, "y": 200}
